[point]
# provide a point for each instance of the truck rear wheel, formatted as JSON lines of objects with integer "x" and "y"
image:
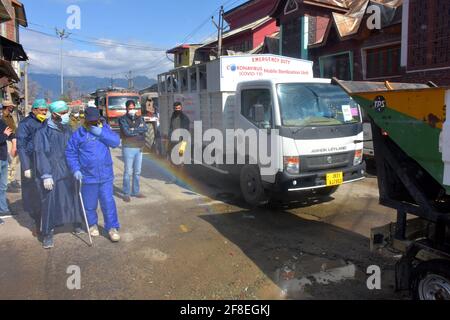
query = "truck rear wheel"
{"x": 431, "y": 280}
{"x": 252, "y": 188}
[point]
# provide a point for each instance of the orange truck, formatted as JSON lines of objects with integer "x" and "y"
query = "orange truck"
{"x": 111, "y": 103}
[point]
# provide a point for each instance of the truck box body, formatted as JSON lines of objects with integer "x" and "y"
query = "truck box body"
{"x": 213, "y": 104}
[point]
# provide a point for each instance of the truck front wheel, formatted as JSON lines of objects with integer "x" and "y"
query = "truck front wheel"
{"x": 431, "y": 280}
{"x": 252, "y": 187}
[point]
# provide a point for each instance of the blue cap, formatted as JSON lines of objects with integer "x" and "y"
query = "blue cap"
{"x": 91, "y": 114}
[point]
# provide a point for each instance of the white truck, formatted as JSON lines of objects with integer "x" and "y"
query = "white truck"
{"x": 312, "y": 128}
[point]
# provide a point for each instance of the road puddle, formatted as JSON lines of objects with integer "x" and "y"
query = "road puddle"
{"x": 294, "y": 278}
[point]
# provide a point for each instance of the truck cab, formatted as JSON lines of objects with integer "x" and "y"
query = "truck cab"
{"x": 318, "y": 128}
{"x": 111, "y": 103}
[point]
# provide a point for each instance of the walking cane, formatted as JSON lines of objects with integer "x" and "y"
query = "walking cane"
{"x": 84, "y": 213}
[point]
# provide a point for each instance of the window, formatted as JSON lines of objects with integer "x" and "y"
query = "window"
{"x": 184, "y": 80}
{"x": 193, "y": 76}
{"x": 253, "y": 97}
{"x": 203, "y": 79}
{"x": 338, "y": 65}
{"x": 173, "y": 84}
{"x": 118, "y": 103}
{"x": 316, "y": 105}
{"x": 179, "y": 59}
{"x": 383, "y": 61}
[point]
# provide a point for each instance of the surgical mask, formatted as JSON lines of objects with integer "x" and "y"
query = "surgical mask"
{"x": 65, "y": 118}
{"x": 41, "y": 117}
{"x": 132, "y": 113}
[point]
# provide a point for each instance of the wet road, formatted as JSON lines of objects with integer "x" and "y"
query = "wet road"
{"x": 197, "y": 240}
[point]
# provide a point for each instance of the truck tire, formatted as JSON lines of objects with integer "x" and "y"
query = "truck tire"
{"x": 430, "y": 280}
{"x": 327, "y": 191}
{"x": 251, "y": 186}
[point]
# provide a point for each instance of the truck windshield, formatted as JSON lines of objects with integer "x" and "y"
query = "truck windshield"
{"x": 304, "y": 104}
{"x": 118, "y": 103}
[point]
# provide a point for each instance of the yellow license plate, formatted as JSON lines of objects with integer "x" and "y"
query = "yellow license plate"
{"x": 335, "y": 179}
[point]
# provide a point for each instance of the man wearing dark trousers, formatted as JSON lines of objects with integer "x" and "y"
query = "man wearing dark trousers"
{"x": 133, "y": 130}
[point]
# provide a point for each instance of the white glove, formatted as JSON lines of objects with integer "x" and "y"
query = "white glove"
{"x": 27, "y": 174}
{"x": 48, "y": 184}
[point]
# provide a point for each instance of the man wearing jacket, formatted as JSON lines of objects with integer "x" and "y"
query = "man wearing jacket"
{"x": 133, "y": 130}
{"x": 60, "y": 203}
{"x": 8, "y": 118}
{"x": 25, "y": 135}
{"x": 6, "y": 134}
{"x": 89, "y": 158}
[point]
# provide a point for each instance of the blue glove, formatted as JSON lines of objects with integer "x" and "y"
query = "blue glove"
{"x": 78, "y": 176}
{"x": 96, "y": 131}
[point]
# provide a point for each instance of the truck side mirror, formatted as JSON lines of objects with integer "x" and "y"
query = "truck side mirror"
{"x": 259, "y": 113}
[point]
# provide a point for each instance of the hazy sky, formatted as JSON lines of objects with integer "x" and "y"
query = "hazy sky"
{"x": 115, "y": 35}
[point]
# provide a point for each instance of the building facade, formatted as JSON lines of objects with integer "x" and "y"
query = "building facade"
{"x": 337, "y": 37}
{"x": 12, "y": 16}
{"x": 411, "y": 44}
{"x": 426, "y": 41}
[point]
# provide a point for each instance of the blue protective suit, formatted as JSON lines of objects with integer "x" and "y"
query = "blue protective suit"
{"x": 62, "y": 205}
{"x": 91, "y": 155}
{"x": 30, "y": 192}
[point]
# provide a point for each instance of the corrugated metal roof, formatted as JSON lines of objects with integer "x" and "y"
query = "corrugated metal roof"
{"x": 348, "y": 24}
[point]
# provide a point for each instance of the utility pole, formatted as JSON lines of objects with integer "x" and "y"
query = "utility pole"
{"x": 220, "y": 28}
{"x": 62, "y": 34}
{"x": 130, "y": 79}
{"x": 26, "y": 87}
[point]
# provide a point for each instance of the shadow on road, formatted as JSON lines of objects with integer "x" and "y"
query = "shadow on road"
{"x": 299, "y": 255}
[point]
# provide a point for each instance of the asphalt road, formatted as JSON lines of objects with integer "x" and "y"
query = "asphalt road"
{"x": 196, "y": 239}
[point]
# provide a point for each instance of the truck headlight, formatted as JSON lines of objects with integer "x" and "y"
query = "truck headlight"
{"x": 358, "y": 157}
{"x": 292, "y": 165}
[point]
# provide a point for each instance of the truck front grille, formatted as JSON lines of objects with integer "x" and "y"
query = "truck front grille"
{"x": 324, "y": 162}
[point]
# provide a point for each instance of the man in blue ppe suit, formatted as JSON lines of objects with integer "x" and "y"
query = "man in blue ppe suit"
{"x": 60, "y": 203}
{"x": 25, "y": 135}
{"x": 89, "y": 158}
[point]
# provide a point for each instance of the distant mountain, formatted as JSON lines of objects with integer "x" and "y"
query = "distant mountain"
{"x": 49, "y": 85}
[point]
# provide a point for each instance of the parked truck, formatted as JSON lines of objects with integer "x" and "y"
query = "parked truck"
{"x": 314, "y": 128}
{"x": 411, "y": 138}
{"x": 111, "y": 103}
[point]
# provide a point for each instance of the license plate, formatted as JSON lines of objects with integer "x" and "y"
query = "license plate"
{"x": 335, "y": 179}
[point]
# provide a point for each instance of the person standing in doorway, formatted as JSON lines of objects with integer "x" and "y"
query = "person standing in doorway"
{"x": 8, "y": 111}
{"x": 133, "y": 130}
{"x": 6, "y": 135}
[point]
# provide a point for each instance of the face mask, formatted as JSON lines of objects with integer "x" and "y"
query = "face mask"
{"x": 65, "y": 118}
{"x": 132, "y": 113}
{"x": 41, "y": 117}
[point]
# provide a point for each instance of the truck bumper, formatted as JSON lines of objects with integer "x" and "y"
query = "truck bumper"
{"x": 313, "y": 180}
